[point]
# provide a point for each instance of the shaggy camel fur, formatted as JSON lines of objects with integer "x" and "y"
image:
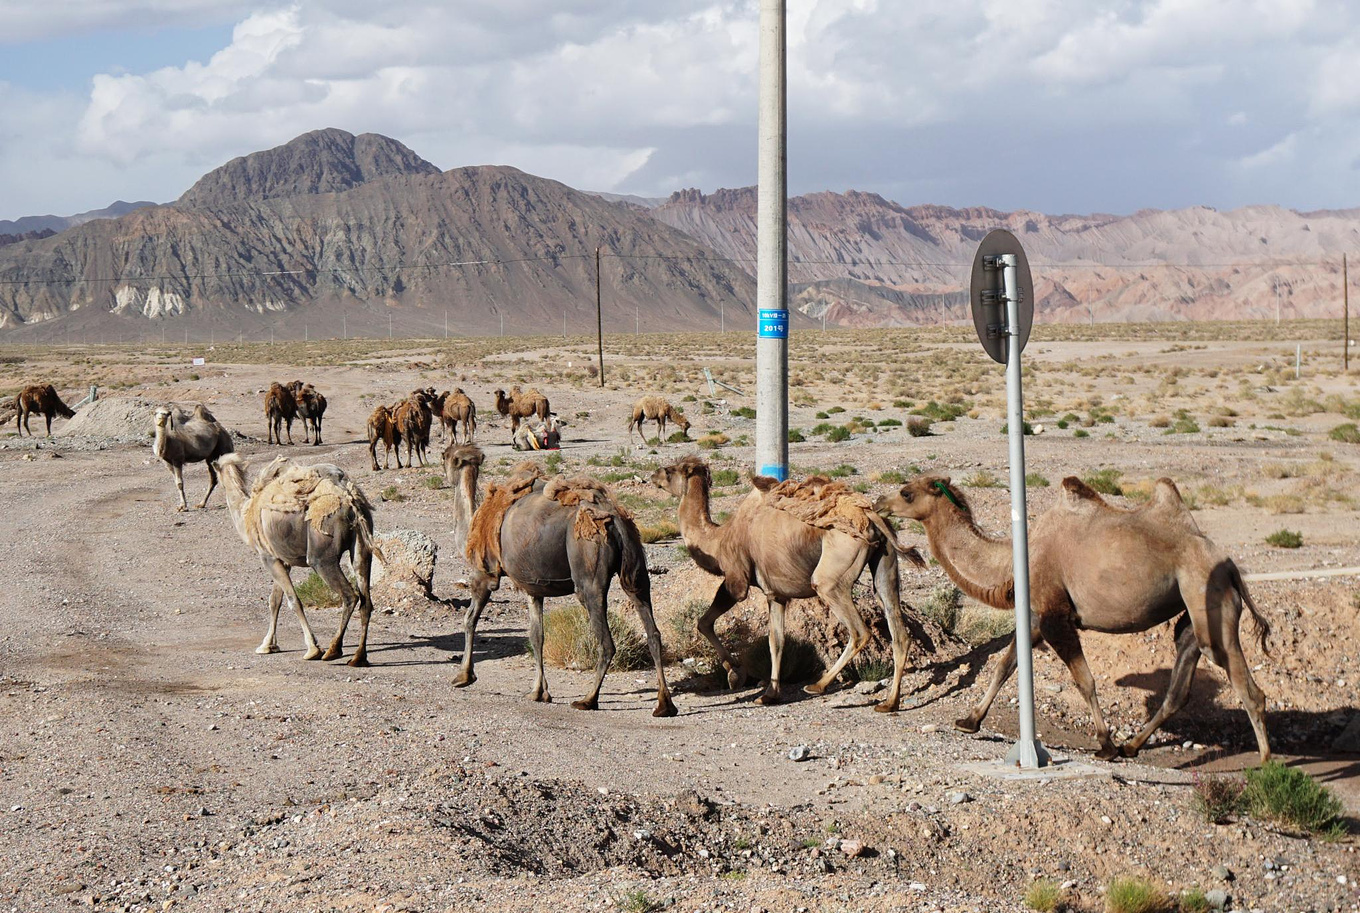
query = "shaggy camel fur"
{"x": 1097, "y": 567}
{"x": 306, "y": 516}
{"x": 656, "y": 409}
{"x": 520, "y": 405}
{"x": 39, "y": 398}
{"x": 311, "y": 406}
{"x": 551, "y": 538}
{"x": 787, "y": 558}
{"x": 412, "y": 416}
{"x": 184, "y": 439}
{"x": 280, "y": 408}
{"x": 382, "y": 426}
{"x": 459, "y": 408}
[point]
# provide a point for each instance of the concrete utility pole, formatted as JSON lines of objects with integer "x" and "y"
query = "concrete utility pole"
{"x": 599, "y": 315}
{"x": 772, "y": 291}
{"x": 1346, "y": 318}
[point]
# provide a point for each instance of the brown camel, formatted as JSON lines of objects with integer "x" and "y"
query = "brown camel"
{"x": 520, "y": 405}
{"x": 280, "y": 408}
{"x": 655, "y": 408}
{"x": 412, "y": 416}
{"x": 1097, "y": 567}
{"x": 552, "y": 537}
{"x": 311, "y": 406}
{"x": 382, "y": 426}
{"x": 459, "y": 408}
{"x": 305, "y": 516}
{"x": 39, "y": 398}
{"x": 775, "y": 551}
{"x": 197, "y": 438}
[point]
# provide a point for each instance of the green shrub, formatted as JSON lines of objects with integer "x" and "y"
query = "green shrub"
{"x": 918, "y": 426}
{"x": 392, "y": 493}
{"x": 1043, "y": 896}
{"x": 314, "y": 592}
{"x": 841, "y": 471}
{"x": 1062, "y": 424}
{"x": 725, "y": 477}
{"x": 941, "y": 413}
{"x": 1285, "y": 538}
{"x": 744, "y": 412}
{"x": 983, "y": 478}
{"x": 638, "y": 901}
{"x": 1025, "y": 428}
{"x": 901, "y": 404}
{"x": 871, "y": 669}
{"x": 823, "y": 415}
{"x": 891, "y": 477}
{"x": 569, "y": 643}
{"x": 1105, "y": 481}
{"x": 943, "y": 606}
{"x": 1081, "y": 433}
{"x": 1346, "y": 434}
{"x": 1035, "y": 480}
{"x": 890, "y": 423}
{"x": 1136, "y": 895}
{"x": 838, "y": 434}
{"x": 678, "y": 437}
{"x": 554, "y": 463}
{"x": 1193, "y": 900}
{"x": 796, "y": 436}
{"x": 1290, "y": 797}
{"x": 433, "y": 482}
{"x": 835, "y": 410}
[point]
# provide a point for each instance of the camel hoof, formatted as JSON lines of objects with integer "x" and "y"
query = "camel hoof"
{"x": 264, "y": 649}
{"x": 540, "y": 697}
{"x": 815, "y": 688}
{"x": 584, "y": 704}
{"x": 1107, "y": 753}
{"x": 736, "y": 677}
{"x": 886, "y": 706}
{"x": 312, "y": 653}
{"x": 967, "y": 724}
{"x": 770, "y": 698}
{"x": 332, "y": 653}
{"x": 1127, "y": 751}
{"x": 181, "y": 508}
{"x": 665, "y": 708}
{"x": 358, "y": 660}
{"x": 463, "y": 679}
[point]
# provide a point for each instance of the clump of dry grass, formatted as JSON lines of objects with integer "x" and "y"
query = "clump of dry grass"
{"x": 569, "y": 643}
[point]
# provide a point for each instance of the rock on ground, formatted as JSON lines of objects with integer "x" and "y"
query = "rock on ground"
{"x": 406, "y": 572}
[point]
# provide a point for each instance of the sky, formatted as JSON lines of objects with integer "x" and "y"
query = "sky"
{"x": 1060, "y": 106}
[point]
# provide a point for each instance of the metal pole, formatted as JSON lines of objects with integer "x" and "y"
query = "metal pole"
{"x": 599, "y": 316}
{"x": 564, "y": 323}
{"x": 772, "y": 343}
{"x": 1028, "y": 753}
{"x": 446, "y": 323}
{"x": 306, "y": 333}
{"x": 389, "y": 326}
{"x": 722, "y": 317}
{"x": 502, "y": 324}
{"x": 1346, "y": 319}
{"x": 1298, "y": 360}
{"x": 637, "y": 320}
{"x": 1277, "y": 302}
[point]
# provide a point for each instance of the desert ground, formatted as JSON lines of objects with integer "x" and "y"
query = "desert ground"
{"x": 151, "y": 760}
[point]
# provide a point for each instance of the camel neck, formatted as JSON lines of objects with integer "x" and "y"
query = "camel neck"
{"x": 697, "y": 528}
{"x": 979, "y": 565}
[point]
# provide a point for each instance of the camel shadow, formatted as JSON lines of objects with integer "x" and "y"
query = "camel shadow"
{"x": 938, "y": 673}
{"x": 496, "y": 643}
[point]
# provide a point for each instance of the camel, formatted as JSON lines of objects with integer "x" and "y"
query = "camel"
{"x": 437, "y": 410}
{"x": 539, "y": 435}
{"x": 306, "y": 516}
{"x": 654, "y": 408}
{"x": 1101, "y": 568}
{"x": 39, "y": 398}
{"x": 775, "y": 551}
{"x": 412, "y": 416}
{"x": 458, "y": 407}
{"x": 280, "y": 408}
{"x": 551, "y": 537}
{"x": 311, "y": 406}
{"x": 184, "y": 439}
{"x": 520, "y": 405}
{"x": 382, "y": 426}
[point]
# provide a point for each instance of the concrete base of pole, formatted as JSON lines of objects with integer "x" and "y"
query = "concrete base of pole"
{"x": 1061, "y": 769}
{"x": 1028, "y": 754}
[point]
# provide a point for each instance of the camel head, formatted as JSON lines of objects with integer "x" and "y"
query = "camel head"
{"x": 679, "y": 418}
{"x": 675, "y": 477}
{"x": 162, "y": 418}
{"x": 921, "y": 497}
{"x": 502, "y": 403}
{"x": 458, "y": 457}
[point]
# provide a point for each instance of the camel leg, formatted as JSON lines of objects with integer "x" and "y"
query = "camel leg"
{"x": 887, "y": 587}
{"x": 722, "y": 603}
{"x": 335, "y": 579}
{"x": 363, "y": 571}
{"x": 833, "y": 587}
{"x": 1216, "y": 612}
{"x": 772, "y": 693}
{"x": 596, "y": 601}
{"x": 973, "y": 721}
{"x": 289, "y": 423}
{"x": 178, "y": 473}
{"x": 48, "y": 416}
{"x": 1177, "y": 690}
{"x": 664, "y": 705}
{"x": 481, "y": 594}
{"x": 270, "y": 644}
{"x": 373, "y": 453}
{"x": 1061, "y": 634}
{"x": 281, "y": 579}
{"x": 540, "y": 692}
{"x": 212, "y": 483}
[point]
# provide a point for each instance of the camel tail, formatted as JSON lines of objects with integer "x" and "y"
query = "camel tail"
{"x": 363, "y": 537}
{"x": 632, "y": 559}
{"x": 1262, "y": 625}
{"x": 909, "y": 552}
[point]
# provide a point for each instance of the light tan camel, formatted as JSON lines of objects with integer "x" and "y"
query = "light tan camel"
{"x": 197, "y": 438}
{"x": 551, "y": 537}
{"x": 382, "y": 426}
{"x": 656, "y": 409}
{"x": 1097, "y": 567}
{"x": 280, "y": 408}
{"x": 305, "y": 516}
{"x": 520, "y": 405}
{"x": 459, "y": 408}
{"x": 787, "y": 558}
{"x": 39, "y": 398}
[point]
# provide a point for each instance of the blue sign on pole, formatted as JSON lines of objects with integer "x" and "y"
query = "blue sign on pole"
{"x": 774, "y": 324}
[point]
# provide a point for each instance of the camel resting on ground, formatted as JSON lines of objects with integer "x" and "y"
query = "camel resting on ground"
{"x": 197, "y": 438}
{"x": 551, "y": 537}
{"x": 657, "y": 409}
{"x": 1097, "y": 567}
{"x": 459, "y": 407}
{"x": 305, "y": 516}
{"x": 39, "y": 398}
{"x": 382, "y": 426}
{"x": 520, "y": 405}
{"x": 786, "y": 557}
{"x": 280, "y": 408}
{"x": 311, "y": 406}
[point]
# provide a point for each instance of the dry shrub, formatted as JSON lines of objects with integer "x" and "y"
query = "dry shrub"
{"x": 569, "y": 644}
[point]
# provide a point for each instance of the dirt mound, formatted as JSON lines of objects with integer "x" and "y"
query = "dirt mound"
{"x": 115, "y": 418}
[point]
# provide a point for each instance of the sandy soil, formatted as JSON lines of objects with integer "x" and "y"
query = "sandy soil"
{"x": 151, "y": 760}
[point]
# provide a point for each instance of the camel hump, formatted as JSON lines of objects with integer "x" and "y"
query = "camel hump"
{"x": 1166, "y": 494}
{"x": 202, "y": 414}
{"x": 764, "y": 483}
{"x": 1077, "y": 495}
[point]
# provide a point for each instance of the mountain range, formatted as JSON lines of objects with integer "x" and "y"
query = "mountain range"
{"x": 334, "y": 233}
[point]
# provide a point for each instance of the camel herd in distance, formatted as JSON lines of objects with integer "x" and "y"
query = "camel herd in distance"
{"x": 812, "y": 538}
